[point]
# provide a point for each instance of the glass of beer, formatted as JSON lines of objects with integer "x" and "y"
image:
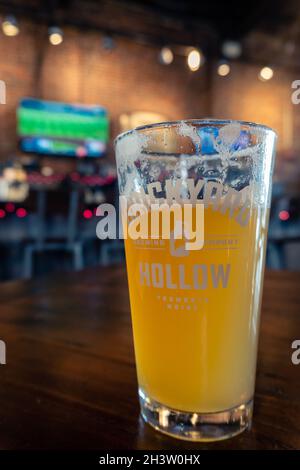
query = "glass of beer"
{"x": 195, "y": 312}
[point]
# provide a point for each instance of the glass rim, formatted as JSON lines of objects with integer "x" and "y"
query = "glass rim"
{"x": 210, "y": 121}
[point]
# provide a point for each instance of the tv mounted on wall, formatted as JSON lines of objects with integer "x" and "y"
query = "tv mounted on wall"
{"x": 61, "y": 129}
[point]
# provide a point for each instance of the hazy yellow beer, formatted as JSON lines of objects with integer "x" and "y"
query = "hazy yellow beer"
{"x": 194, "y": 324}
{"x": 195, "y": 314}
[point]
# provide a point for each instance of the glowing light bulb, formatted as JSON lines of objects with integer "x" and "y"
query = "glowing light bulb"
{"x": 266, "y": 73}
{"x": 284, "y": 215}
{"x": 55, "y": 36}
{"x": 87, "y": 214}
{"x": 10, "y": 26}
{"x": 194, "y": 60}
{"x": 21, "y": 212}
{"x": 223, "y": 69}
{"x": 166, "y": 56}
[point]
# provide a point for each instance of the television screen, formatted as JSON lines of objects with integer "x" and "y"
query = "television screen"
{"x": 54, "y": 128}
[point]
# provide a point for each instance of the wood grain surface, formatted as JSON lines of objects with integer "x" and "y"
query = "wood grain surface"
{"x": 70, "y": 380}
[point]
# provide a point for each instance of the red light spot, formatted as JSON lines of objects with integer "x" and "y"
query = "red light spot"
{"x": 284, "y": 215}
{"x": 21, "y": 212}
{"x": 10, "y": 207}
{"x": 87, "y": 214}
{"x": 2, "y": 213}
{"x": 81, "y": 152}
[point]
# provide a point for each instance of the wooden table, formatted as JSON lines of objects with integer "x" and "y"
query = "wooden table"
{"x": 70, "y": 381}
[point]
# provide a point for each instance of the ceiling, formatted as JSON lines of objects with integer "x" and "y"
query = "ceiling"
{"x": 229, "y": 18}
{"x": 264, "y": 26}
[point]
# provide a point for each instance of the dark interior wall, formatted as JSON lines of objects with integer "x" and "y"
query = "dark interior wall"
{"x": 126, "y": 79}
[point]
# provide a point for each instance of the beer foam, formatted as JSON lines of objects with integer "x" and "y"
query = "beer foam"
{"x": 130, "y": 147}
{"x": 229, "y": 133}
{"x": 130, "y": 153}
{"x": 186, "y": 130}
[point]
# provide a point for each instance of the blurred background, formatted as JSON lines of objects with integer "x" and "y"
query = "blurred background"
{"x": 75, "y": 73}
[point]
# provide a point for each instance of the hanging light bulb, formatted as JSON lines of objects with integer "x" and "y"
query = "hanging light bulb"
{"x": 10, "y": 26}
{"x": 166, "y": 56}
{"x": 223, "y": 69}
{"x": 56, "y": 36}
{"x": 194, "y": 59}
{"x": 231, "y": 49}
{"x": 266, "y": 73}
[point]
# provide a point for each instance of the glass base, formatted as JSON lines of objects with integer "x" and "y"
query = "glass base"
{"x": 196, "y": 426}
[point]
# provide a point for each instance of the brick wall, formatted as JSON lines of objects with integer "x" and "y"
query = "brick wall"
{"x": 130, "y": 78}
{"x": 125, "y": 79}
{"x": 241, "y": 95}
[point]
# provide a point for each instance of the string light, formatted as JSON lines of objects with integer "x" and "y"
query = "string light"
{"x": 230, "y": 49}
{"x": 223, "y": 69}
{"x": 55, "y": 36}
{"x": 266, "y": 73}
{"x": 284, "y": 215}
{"x": 21, "y": 212}
{"x": 166, "y": 56}
{"x": 10, "y": 26}
{"x": 87, "y": 214}
{"x": 10, "y": 207}
{"x": 194, "y": 60}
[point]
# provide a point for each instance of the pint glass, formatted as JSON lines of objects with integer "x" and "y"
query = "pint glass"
{"x": 195, "y": 313}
